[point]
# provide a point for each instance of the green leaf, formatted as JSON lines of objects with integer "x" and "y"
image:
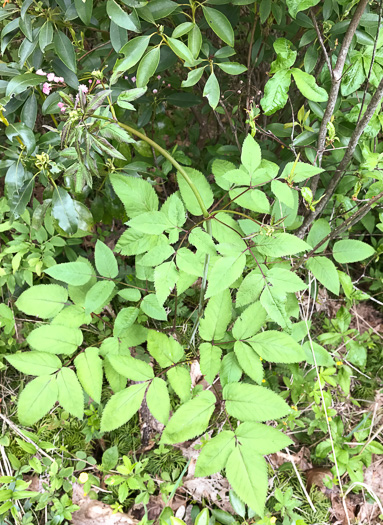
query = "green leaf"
{"x": 147, "y": 67}
{"x": 274, "y": 302}
{"x": 217, "y": 316}
{"x": 204, "y": 189}
{"x": 251, "y": 154}
{"x": 322, "y": 357}
{"x": 349, "y": 251}
{"x": 152, "y": 308}
{"x": 262, "y": 439}
{"x": 34, "y": 363}
{"x": 318, "y": 231}
{"x": 130, "y": 294}
{"x": 70, "y": 394}
{"x": 195, "y": 40}
{"x": 190, "y": 262}
{"x": 225, "y": 271}
{"x": 89, "y": 371}
{"x": 181, "y": 50}
{"x": 55, "y": 339}
{"x": 165, "y": 350}
{"x": 182, "y": 29}
{"x": 219, "y": 24}
{"x": 151, "y": 222}
{"x": 133, "y": 51}
{"x": 247, "y": 474}
{"x": 210, "y": 361}
{"x": 158, "y": 401}
{"x": 354, "y": 76}
{"x": 120, "y": 17}
{"x": 46, "y": 34}
{"x": 122, "y": 406}
{"x": 232, "y": 68}
{"x": 20, "y": 83}
{"x": 98, "y": 296}
{"x": 106, "y": 263}
{"x": 285, "y": 281}
{"x": 137, "y": 195}
{"x": 110, "y": 458}
{"x": 133, "y": 369}
{"x": 157, "y": 255}
{"x": 180, "y": 381}
{"x": 117, "y": 381}
{"x": 190, "y": 419}
{"x": 249, "y": 361}
{"x": 276, "y": 92}
{"x": 212, "y": 91}
{"x": 74, "y": 273}
{"x": 214, "y": 455}
{"x": 277, "y": 347}
{"x": 278, "y": 245}
{"x": 64, "y": 211}
{"x": 250, "y": 321}
{"x": 325, "y": 271}
{"x": 253, "y": 403}
{"x": 127, "y": 96}
{"x": 282, "y": 191}
{"x": 230, "y": 371}
{"x": 84, "y": 10}
{"x": 43, "y": 300}
{"x": 202, "y": 241}
{"x": 308, "y": 87}
{"x": 37, "y": 398}
{"x": 165, "y": 278}
{"x": 124, "y": 320}
{"x": 294, "y": 6}
{"x": 64, "y": 50}
{"x": 250, "y": 288}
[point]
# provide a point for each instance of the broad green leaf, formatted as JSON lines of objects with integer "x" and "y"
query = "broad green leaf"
{"x": 64, "y": 50}
{"x": 294, "y": 6}
{"x": 300, "y": 172}
{"x": 127, "y": 96}
{"x": 225, "y": 271}
{"x": 250, "y": 321}
{"x": 247, "y": 474}
{"x": 137, "y": 195}
{"x": 232, "y": 68}
{"x": 55, "y": 339}
{"x": 318, "y": 231}
{"x": 182, "y": 29}
{"x": 106, "y": 263}
{"x": 157, "y": 255}
{"x": 349, "y": 251}
{"x": 124, "y": 320}
{"x": 202, "y": 241}
{"x": 84, "y": 10}
{"x": 174, "y": 210}
{"x": 354, "y": 76}
{"x": 203, "y": 187}
{"x": 322, "y": 357}
{"x": 117, "y": 381}
{"x": 98, "y": 296}
{"x": 277, "y": 347}
{"x": 64, "y": 211}
{"x": 251, "y": 154}
{"x": 122, "y": 406}
{"x": 254, "y": 200}
{"x": 308, "y": 87}
{"x": 253, "y": 403}
{"x": 110, "y": 458}
{"x": 74, "y": 273}
{"x": 276, "y": 92}
{"x": 133, "y": 242}
{"x": 217, "y": 316}
{"x": 133, "y": 369}
{"x": 210, "y": 361}
{"x": 262, "y": 439}
{"x": 195, "y": 40}
{"x": 230, "y": 371}
{"x": 190, "y": 262}
{"x": 165, "y": 350}
{"x": 89, "y": 371}
{"x": 20, "y": 83}
{"x": 249, "y": 361}
{"x": 282, "y": 191}
{"x": 46, "y": 34}
{"x": 120, "y": 17}
{"x": 285, "y": 281}
{"x": 212, "y": 90}
{"x": 130, "y": 294}
{"x": 133, "y": 51}
{"x": 181, "y": 50}
{"x": 190, "y": 419}
{"x": 152, "y": 308}
{"x": 325, "y": 271}
{"x": 70, "y": 394}
{"x": 219, "y": 24}
{"x": 250, "y": 288}
{"x": 34, "y": 363}
{"x": 158, "y": 401}
{"x": 180, "y": 381}
{"x": 214, "y": 454}
{"x": 147, "y": 67}
{"x": 280, "y": 244}
{"x": 43, "y": 300}
{"x": 275, "y": 303}
{"x": 165, "y": 278}
{"x": 78, "y": 293}
{"x": 36, "y": 399}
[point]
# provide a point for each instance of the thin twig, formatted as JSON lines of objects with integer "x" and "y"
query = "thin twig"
{"x": 313, "y": 18}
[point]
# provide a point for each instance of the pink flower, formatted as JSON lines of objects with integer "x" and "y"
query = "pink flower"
{"x": 51, "y": 77}
{"x": 60, "y": 105}
{"x": 46, "y": 88}
{"x": 59, "y": 79}
{"x": 98, "y": 81}
{"x": 83, "y": 88}
{"x": 158, "y": 77}
{"x": 90, "y": 81}
{"x": 63, "y": 110}
{"x": 169, "y": 85}
{"x": 133, "y": 79}
{"x": 126, "y": 78}
{"x": 40, "y": 72}
{"x": 155, "y": 91}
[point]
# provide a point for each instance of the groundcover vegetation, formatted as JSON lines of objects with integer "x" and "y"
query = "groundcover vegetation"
{"x": 190, "y": 272}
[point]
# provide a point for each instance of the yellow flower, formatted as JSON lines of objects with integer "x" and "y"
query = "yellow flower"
{"x": 83, "y": 477}
{"x": 263, "y": 380}
{"x": 329, "y": 418}
{"x": 260, "y": 359}
{"x": 273, "y": 519}
{"x": 339, "y": 363}
{"x": 294, "y": 408}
